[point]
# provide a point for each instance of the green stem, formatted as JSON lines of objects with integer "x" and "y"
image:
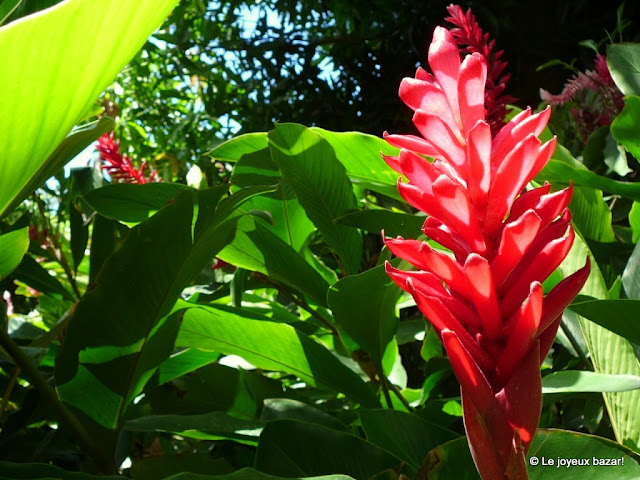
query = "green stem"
{"x": 576, "y": 346}
{"x": 50, "y": 396}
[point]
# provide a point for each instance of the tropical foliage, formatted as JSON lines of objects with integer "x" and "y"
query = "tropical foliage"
{"x": 230, "y": 315}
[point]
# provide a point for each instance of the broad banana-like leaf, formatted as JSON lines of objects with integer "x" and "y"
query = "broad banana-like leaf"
{"x": 55, "y": 64}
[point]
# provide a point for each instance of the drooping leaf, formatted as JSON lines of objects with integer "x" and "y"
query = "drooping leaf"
{"x": 132, "y": 203}
{"x": 393, "y": 223}
{"x": 271, "y": 346}
{"x": 309, "y": 165}
{"x": 181, "y": 363}
{"x": 118, "y": 336}
{"x": 233, "y": 150}
{"x": 287, "y": 408}
{"x": 37, "y": 277}
{"x": 52, "y": 75}
{"x": 623, "y": 60}
{"x": 618, "y": 316}
{"x": 208, "y": 426}
{"x": 583, "y": 381}
{"x": 405, "y": 435}
{"x": 364, "y": 306}
{"x": 13, "y": 246}
{"x": 290, "y": 448}
{"x": 361, "y": 156}
{"x": 258, "y": 249}
{"x": 626, "y": 125}
{"x": 287, "y": 218}
{"x": 560, "y": 173}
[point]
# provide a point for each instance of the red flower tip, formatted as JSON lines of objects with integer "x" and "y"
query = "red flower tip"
{"x": 119, "y": 167}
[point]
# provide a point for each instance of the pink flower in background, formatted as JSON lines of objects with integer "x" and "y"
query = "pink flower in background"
{"x": 485, "y": 299}
{"x": 590, "y": 111}
{"x": 118, "y": 167}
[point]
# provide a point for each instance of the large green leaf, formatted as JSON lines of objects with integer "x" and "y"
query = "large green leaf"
{"x": 453, "y": 459}
{"x": 631, "y": 275}
{"x": 119, "y": 335}
{"x": 208, "y": 426}
{"x": 290, "y": 448}
{"x": 287, "y": 218}
{"x": 610, "y": 353}
{"x": 13, "y": 246}
{"x": 361, "y": 156}
{"x": 54, "y": 68}
{"x": 364, "y": 306}
{"x": 404, "y": 435}
{"x": 257, "y": 248}
{"x": 619, "y": 316}
{"x": 309, "y": 165}
{"x": 234, "y": 149}
{"x": 272, "y": 346}
{"x": 623, "y": 60}
{"x": 626, "y": 127}
{"x": 130, "y": 203}
{"x": 558, "y": 173}
{"x": 581, "y": 381}
{"x": 393, "y": 223}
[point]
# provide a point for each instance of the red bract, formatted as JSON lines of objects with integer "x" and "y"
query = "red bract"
{"x": 485, "y": 300}
{"x": 469, "y": 36}
{"x": 120, "y": 168}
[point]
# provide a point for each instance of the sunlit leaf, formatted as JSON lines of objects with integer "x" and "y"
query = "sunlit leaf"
{"x": 54, "y": 68}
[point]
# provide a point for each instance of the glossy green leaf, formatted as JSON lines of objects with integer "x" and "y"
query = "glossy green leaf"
{"x": 53, "y": 73}
{"x": 13, "y": 246}
{"x": 37, "y": 277}
{"x": 181, "y": 363}
{"x": 610, "y": 353}
{"x": 361, "y": 155}
{"x": 619, "y": 316}
{"x": 7, "y": 7}
{"x": 208, "y": 426}
{"x": 583, "y": 381}
{"x": 404, "y": 435}
{"x": 294, "y": 449}
{"x": 287, "y": 408}
{"x": 364, "y": 305}
{"x": 132, "y": 203}
{"x": 309, "y": 165}
{"x": 233, "y": 150}
{"x": 560, "y": 173}
{"x": 393, "y": 223}
{"x": 287, "y": 218}
{"x": 626, "y": 127}
{"x": 249, "y": 474}
{"x": 453, "y": 459}
{"x": 287, "y": 350}
{"x": 119, "y": 336}
{"x": 634, "y": 221}
{"x": 214, "y": 387}
{"x": 623, "y": 60}
{"x": 258, "y": 249}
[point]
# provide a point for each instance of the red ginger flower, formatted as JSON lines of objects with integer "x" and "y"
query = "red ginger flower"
{"x": 118, "y": 167}
{"x": 469, "y": 35}
{"x": 487, "y": 304}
